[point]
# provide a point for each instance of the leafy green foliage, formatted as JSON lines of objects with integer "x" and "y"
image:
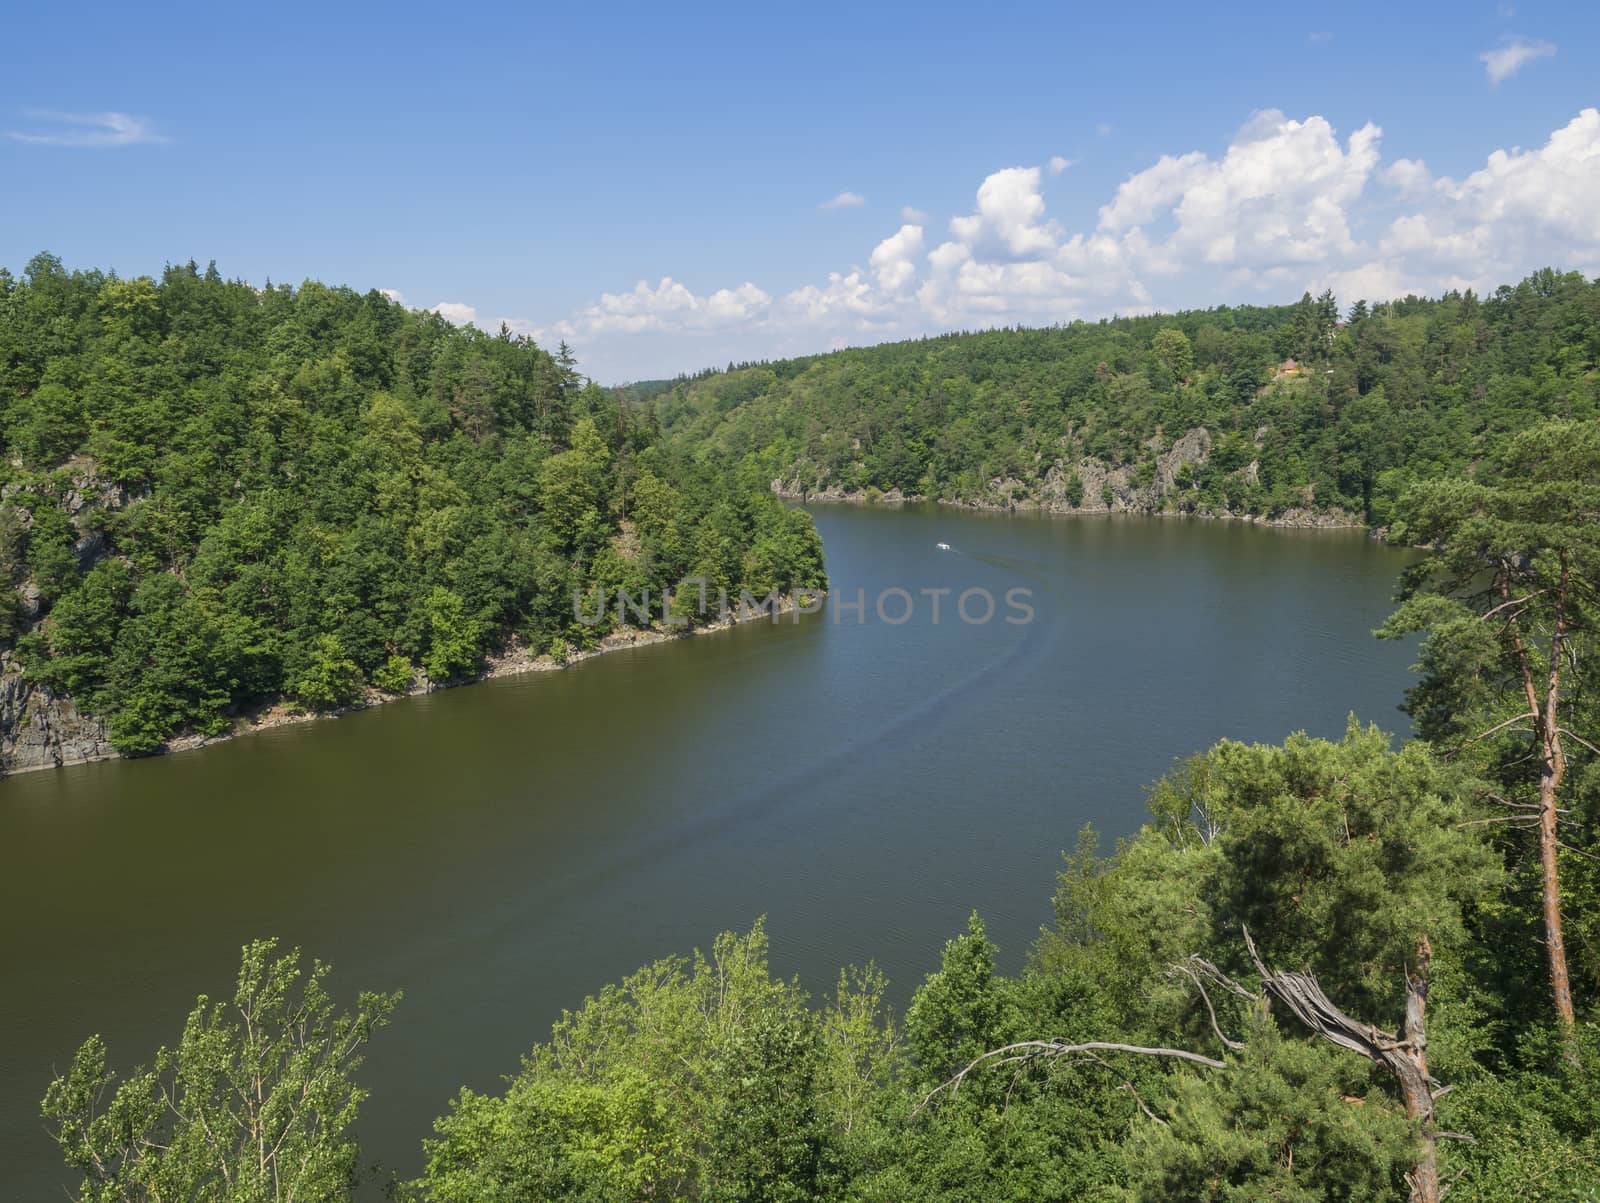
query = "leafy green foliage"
{"x": 958, "y": 1013}
{"x": 1536, "y": 1124}
{"x": 330, "y": 679}
{"x": 394, "y": 675}
{"x": 255, "y": 1104}
{"x": 702, "y": 1078}
{"x": 1340, "y": 857}
{"x": 1286, "y": 1120}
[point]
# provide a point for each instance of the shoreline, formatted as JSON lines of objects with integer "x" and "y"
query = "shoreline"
{"x": 515, "y": 660}
{"x": 1293, "y": 519}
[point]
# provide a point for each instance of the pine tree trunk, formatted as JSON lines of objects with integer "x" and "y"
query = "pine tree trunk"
{"x": 1549, "y": 782}
{"x": 1551, "y": 771}
{"x": 1414, "y": 1088}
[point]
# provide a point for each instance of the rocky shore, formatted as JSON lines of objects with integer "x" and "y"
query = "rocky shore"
{"x": 1100, "y": 489}
{"x": 40, "y": 729}
{"x": 1298, "y": 518}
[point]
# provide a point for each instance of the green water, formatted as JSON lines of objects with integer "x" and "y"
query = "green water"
{"x": 502, "y": 850}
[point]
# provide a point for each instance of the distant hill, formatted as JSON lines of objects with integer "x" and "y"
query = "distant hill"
{"x": 1298, "y": 412}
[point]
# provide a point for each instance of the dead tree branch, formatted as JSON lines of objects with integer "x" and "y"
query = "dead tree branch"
{"x": 1040, "y": 1050}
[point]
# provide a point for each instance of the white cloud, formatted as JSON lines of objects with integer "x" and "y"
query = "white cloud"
{"x": 1150, "y": 191}
{"x": 671, "y": 305}
{"x": 1552, "y": 187}
{"x": 914, "y": 216}
{"x": 85, "y": 129}
{"x": 1058, "y": 164}
{"x": 1380, "y": 280}
{"x": 847, "y": 296}
{"x": 1285, "y": 206}
{"x": 1009, "y": 209}
{"x": 844, "y": 200}
{"x": 1281, "y": 193}
{"x": 1409, "y": 177}
{"x": 1104, "y": 129}
{"x": 1320, "y": 38}
{"x": 1521, "y": 209}
{"x": 894, "y": 260}
{"x": 1517, "y": 53}
{"x": 394, "y": 294}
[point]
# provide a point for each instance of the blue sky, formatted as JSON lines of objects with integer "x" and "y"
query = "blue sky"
{"x": 553, "y": 166}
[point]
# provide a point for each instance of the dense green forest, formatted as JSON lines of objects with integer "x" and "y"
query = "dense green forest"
{"x": 217, "y": 496}
{"x": 1090, "y": 415}
{"x": 1321, "y": 971}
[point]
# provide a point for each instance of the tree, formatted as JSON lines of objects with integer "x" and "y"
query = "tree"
{"x": 330, "y": 678}
{"x": 51, "y": 559}
{"x": 1506, "y": 607}
{"x": 957, "y": 1013}
{"x": 765, "y": 1130}
{"x": 1345, "y": 860}
{"x": 1172, "y": 348}
{"x": 1343, "y": 856}
{"x": 572, "y": 491}
{"x": 695, "y": 1078}
{"x": 255, "y": 1104}
{"x": 452, "y": 636}
{"x": 1281, "y": 1120}
{"x": 1403, "y": 1054}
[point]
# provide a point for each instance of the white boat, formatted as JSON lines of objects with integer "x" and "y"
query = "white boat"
{"x": 942, "y": 546}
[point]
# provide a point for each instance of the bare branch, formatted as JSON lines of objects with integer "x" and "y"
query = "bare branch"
{"x": 1306, "y": 999}
{"x": 1483, "y": 735}
{"x": 1189, "y": 969}
{"x": 1030, "y": 1050}
{"x": 1514, "y": 602}
{"x": 1533, "y": 806}
{"x": 1580, "y": 740}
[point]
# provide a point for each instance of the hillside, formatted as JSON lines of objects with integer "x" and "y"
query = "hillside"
{"x": 1291, "y": 412}
{"x": 216, "y": 496}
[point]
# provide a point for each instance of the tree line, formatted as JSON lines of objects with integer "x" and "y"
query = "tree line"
{"x": 217, "y": 496}
{"x": 1322, "y": 970}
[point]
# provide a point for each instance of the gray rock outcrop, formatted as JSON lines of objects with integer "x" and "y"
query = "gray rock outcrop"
{"x": 40, "y": 729}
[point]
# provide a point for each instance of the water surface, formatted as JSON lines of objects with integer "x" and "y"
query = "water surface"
{"x": 500, "y": 851}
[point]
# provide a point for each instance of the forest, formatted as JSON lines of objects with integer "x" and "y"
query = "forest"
{"x": 1322, "y": 970}
{"x": 1302, "y": 407}
{"x": 217, "y": 497}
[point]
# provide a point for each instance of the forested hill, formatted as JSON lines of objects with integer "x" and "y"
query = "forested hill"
{"x": 1197, "y": 411}
{"x": 215, "y": 495}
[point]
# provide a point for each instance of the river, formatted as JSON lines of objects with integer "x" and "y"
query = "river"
{"x": 500, "y": 851}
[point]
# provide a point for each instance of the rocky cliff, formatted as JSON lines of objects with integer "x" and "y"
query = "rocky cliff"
{"x": 41, "y": 730}
{"x": 1085, "y": 486}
